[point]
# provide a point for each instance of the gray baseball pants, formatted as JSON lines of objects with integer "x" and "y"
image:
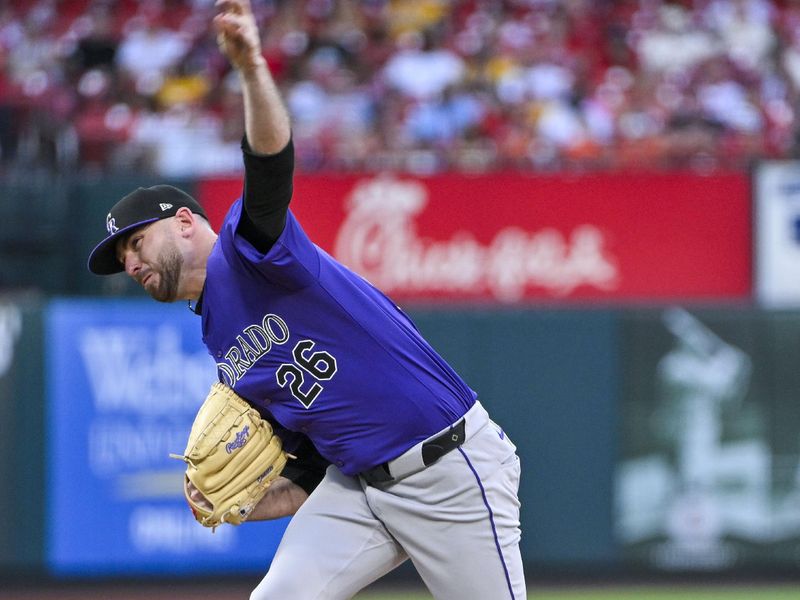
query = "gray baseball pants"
{"x": 457, "y": 520}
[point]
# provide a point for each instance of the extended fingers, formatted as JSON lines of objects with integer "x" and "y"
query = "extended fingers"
{"x": 233, "y": 16}
{"x": 237, "y": 33}
{"x": 238, "y": 7}
{"x": 228, "y": 23}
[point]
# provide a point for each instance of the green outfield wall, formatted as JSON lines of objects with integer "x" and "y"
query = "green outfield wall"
{"x": 22, "y": 434}
{"x": 550, "y": 378}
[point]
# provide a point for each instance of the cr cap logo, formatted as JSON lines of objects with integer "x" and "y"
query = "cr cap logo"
{"x": 111, "y": 225}
{"x": 164, "y": 206}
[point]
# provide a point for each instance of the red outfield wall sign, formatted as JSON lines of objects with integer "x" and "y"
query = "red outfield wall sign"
{"x": 512, "y": 237}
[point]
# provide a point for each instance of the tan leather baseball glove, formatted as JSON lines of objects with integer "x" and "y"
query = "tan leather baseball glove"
{"x": 232, "y": 457}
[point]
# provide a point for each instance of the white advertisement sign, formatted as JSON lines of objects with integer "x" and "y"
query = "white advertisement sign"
{"x": 777, "y": 234}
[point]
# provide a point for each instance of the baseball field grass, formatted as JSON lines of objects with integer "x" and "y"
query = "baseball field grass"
{"x": 783, "y": 592}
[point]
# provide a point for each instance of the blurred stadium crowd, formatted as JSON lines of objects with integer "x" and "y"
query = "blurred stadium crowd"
{"x": 411, "y": 85}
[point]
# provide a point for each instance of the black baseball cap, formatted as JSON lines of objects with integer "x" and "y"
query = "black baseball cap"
{"x": 140, "y": 207}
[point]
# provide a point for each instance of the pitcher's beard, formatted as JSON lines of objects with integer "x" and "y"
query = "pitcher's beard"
{"x": 169, "y": 273}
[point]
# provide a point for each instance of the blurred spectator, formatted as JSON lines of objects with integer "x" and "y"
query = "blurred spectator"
{"x": 445, "y": 119}
{"x": 420, "y": 69}
{"x": 97, "y": 43}
{"x": 148, "y": 50}
{"x": 669, "y": 38}
{"x": 421, "y": 85}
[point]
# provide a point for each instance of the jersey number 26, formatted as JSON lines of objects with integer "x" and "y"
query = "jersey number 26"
{"x": 320, "y": 366}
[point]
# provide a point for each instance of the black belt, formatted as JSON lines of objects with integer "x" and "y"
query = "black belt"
{"x": 432, "y": 450}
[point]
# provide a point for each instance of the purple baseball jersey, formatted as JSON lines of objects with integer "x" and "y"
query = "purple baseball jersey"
{"x": 324, "y": 352}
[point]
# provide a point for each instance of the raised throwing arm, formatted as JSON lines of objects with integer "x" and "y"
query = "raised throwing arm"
{"x": 266, "y": 119}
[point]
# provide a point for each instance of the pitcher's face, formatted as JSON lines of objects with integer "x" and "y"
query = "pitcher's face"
{"x": 151, "y": 256}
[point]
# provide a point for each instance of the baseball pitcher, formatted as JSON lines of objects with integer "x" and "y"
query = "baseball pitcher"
{"x": 330, "y": 405}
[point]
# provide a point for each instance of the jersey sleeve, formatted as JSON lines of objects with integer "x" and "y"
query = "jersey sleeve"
{"x": 292, "y": 262}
